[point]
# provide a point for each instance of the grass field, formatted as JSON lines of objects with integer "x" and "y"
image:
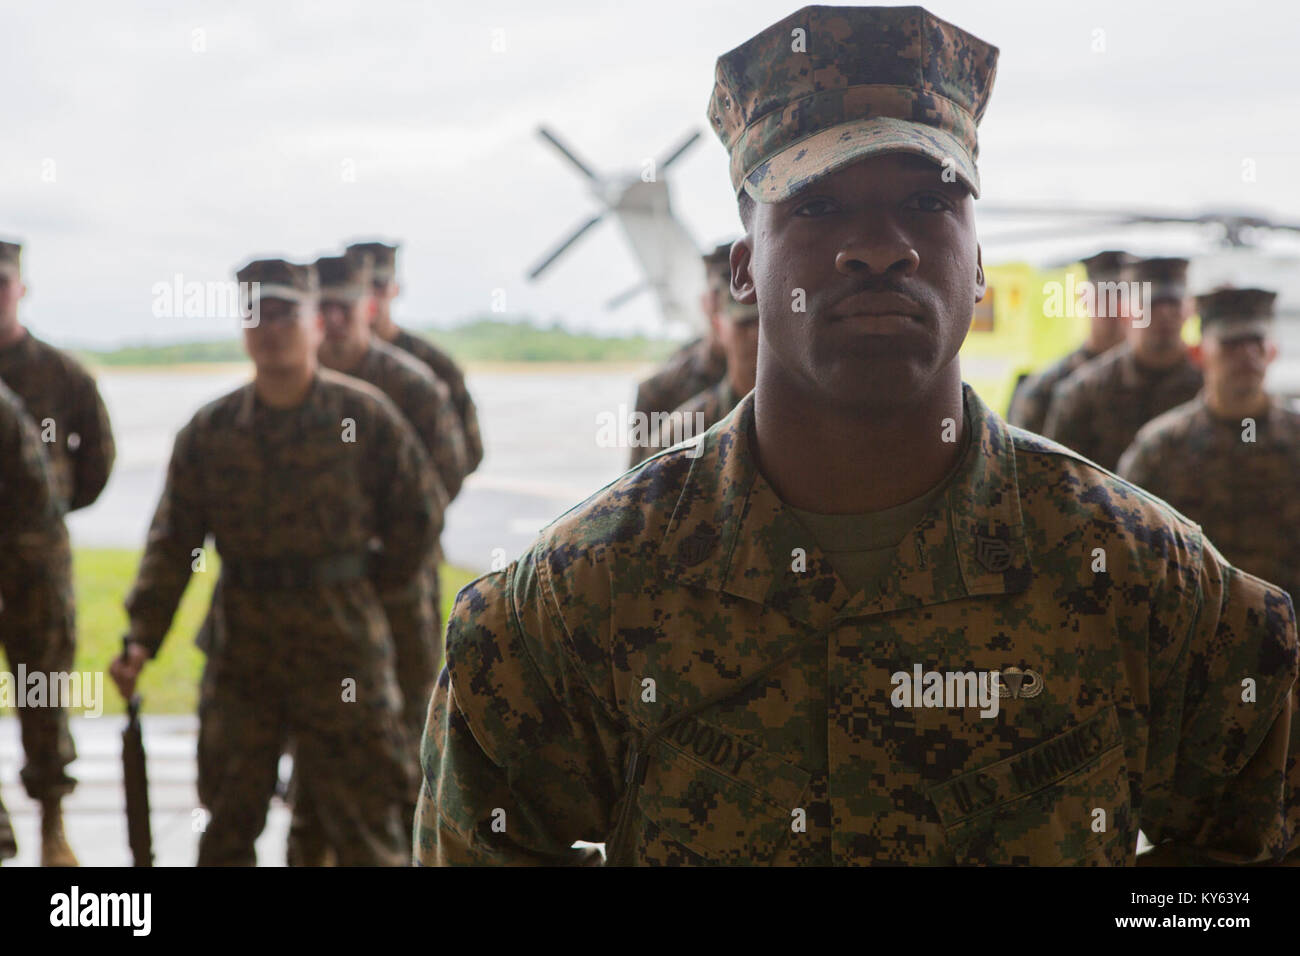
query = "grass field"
{"x": 170, "y": 683}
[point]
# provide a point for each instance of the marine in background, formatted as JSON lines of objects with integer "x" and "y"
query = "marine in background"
{"x": 1098, "y": 409}
{"x": 413, "y": 612}
{"x": 63, "y": 402}
{"x": 383, "y": 259}
{"x": 28, "y": 505}
{"x": 319, "y": 498}
{"x": 735, "y": 327}
{"x": 698, "y": 365}
{"x": 1230, "y": 458}
{"x": 1106, "y": 325}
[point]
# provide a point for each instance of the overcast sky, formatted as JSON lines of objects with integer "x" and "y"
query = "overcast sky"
{"x": 137, "y": 148}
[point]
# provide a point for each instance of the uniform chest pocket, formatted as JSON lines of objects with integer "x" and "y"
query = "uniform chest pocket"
{"x": 725, "y": 803}
{"x": 1064, "y": 801}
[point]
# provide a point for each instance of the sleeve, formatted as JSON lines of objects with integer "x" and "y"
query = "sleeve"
{"x": 27, "y": 499}
{"x": 520, "y": 758}
{"x": 93, "y": 459}
{"x": 1138, "y": 464}
{"x": 409, "y": 502}
{"x": 447, "y": 371}
{"x": 179, "y": 526}
{"x": 442, "y": 434}
{"x": 1018, "y": 408}
{"x": 1067, "y": 419}
{"x": 1220, "y": 726}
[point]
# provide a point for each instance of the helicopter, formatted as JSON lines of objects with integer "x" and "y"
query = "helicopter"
{"x": 1012, "y": 332}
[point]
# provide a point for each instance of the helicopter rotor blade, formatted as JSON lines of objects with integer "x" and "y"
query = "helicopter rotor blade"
{"x": 560, "y": 249}
{"x": 567, "y": 153}
{"x": 682, "y": 147}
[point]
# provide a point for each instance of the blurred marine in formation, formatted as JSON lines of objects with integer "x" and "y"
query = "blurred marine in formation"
{"x": 698, "y": 365}
{"x": 319, "y": 497}
{"x": 1230, "y": 458}
{"x": 346, "y": 289}
{"x": 1099, "y": 408}
{"x": 36, "y": 581}
{"x": 383, "y": 259}
{"x": 734, "y": 326}
{"x": 679, "y": 669}
{"x": 28, "y": 509}
{"x": 1106, "y": 323}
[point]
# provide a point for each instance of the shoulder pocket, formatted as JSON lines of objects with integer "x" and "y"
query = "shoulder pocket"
{"x": 730, "y": 804}
{"x": 1063, "y": 801}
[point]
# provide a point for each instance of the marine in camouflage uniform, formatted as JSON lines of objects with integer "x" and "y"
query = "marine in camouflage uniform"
{"x": 36, "y": 581}
{"x": 697, "y": 365}
{"x": 1230, "y": 458}
{"x": 319, "y": 498}
{"x": 383, "y": 259}
{"x": 677, "y": 669}
{"x": 735, "y": 328}
{"x": 413, "y": 612}
{"x": 28, "y": 505}
{"x": 1098, "y": 409}
{"x": 1033, "y": 394}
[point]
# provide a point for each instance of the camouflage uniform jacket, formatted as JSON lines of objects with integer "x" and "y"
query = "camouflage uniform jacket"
{"x": 56, "y": 390}
{"x": 285, "y": 486}
{"x": 1245, "y": 494}
{"x": 1098, "y": 410}
{"x": 1033, "y": 395}
{"x": 655, "y": 665}
{"x": 686, "y": 373}
{"x": 448, "y": 372}
{"x": 426, "y": 403}
{"x": 701, "y": 413}
{"x": 27, "y": 500}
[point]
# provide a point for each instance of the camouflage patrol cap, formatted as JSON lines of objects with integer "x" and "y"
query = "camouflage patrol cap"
{"x": 828, "y": 86}
{"x": 1228, "y": 314}
{"x": 1106, "y": 266}
{"x": 717, "y": 266}
{"x": 1168, "y": 276}
{"x": 277, "y": 279}
{"x": 11, "y": 254}
{"x": 344, "y": 278}
{"x": 383, "y": 259}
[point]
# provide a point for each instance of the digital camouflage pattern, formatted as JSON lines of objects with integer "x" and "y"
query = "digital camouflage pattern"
{"x": 448, "y": 372}
{"x": 412, "y": 610}
{"x": 64, "y": 405}
{"x": 690, "y": 370}
{"x": 276, "y": 489}
{"x": 1245, "y": 494}
{"x": 700, "y": 413}
{"x": 27, "y": 499}
{"x": 1098, "y": 410}
{"x": 772, "y": 687}
{"x": 27, "y": 504}
{"x": 1033, "y": 394}
{"x": 63, "y": 402}
{"x": 828, "y": 86}
{"x": 426, "y": 403}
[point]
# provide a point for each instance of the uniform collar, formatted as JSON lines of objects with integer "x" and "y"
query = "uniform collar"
{"x": 246, "y": 414}
{"x": 730, "y": 532}
{"x": 1135, "y": 375}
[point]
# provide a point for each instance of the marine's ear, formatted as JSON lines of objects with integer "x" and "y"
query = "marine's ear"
{"x": 742, "y": 280}
{"x": 981, "y": 286}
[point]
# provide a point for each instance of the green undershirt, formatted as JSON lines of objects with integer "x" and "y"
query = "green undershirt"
{"x": 861, "y": 547}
